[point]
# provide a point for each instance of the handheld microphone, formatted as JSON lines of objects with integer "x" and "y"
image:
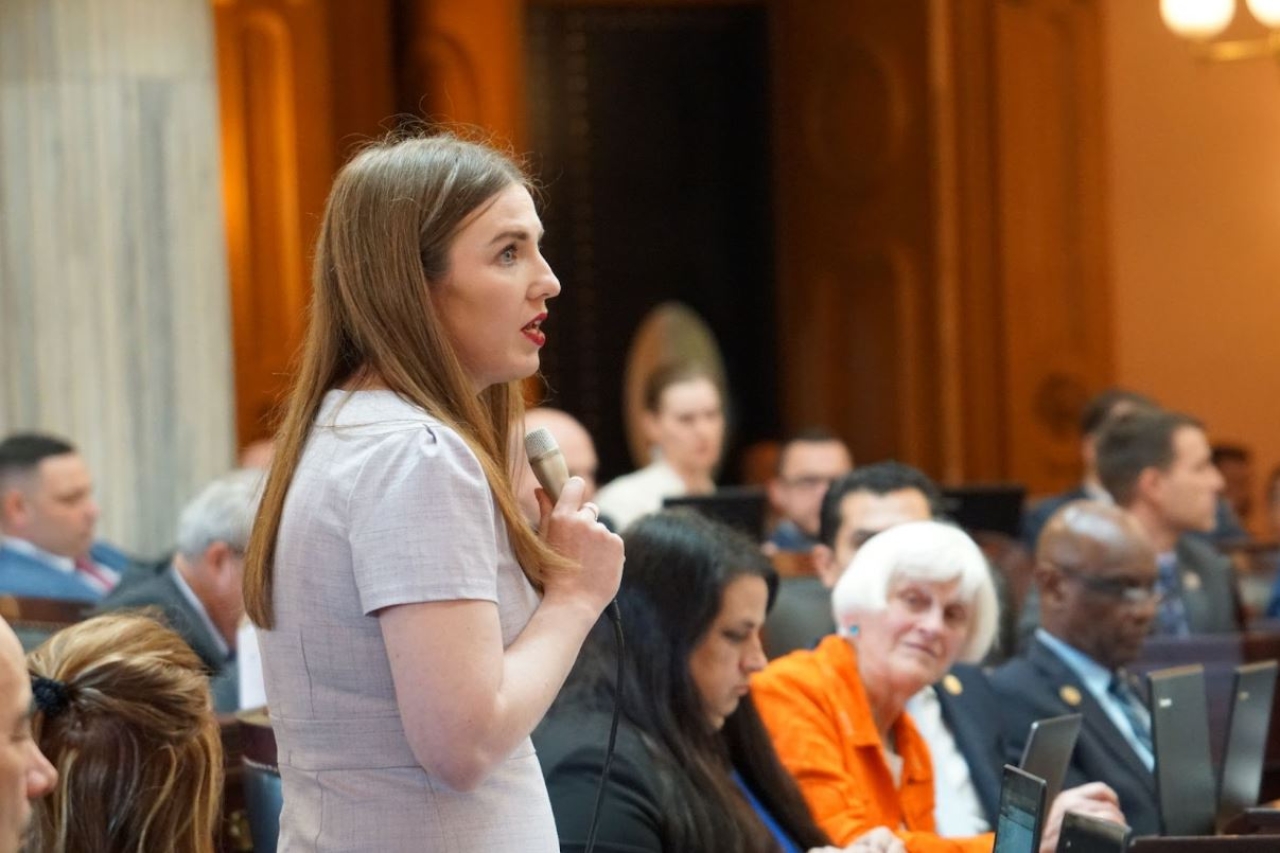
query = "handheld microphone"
{"x": 547, "y": 461}
{"x": 552, "y": 472}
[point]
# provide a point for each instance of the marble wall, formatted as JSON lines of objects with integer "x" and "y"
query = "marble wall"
{"x": 114, "y": 320}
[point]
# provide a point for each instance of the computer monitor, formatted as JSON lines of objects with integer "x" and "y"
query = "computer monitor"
{"x": 740, "y": 507}
{"x": 1248, "y": 721}
{"x": 1048, "y": 750}
{"x": 1185, "y": 785}
{"x": 990, "y": 507}
{"x": 1084, "y": 834}
{"x": 1021, "y": 817}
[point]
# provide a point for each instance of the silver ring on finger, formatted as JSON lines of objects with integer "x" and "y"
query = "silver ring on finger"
{"x": 595, "y": 510}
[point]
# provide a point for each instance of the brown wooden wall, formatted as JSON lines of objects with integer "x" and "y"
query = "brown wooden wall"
{"x": 942, "y": 285}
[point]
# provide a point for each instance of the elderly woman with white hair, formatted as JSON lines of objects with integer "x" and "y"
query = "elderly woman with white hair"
{"x": 915, "y": 599}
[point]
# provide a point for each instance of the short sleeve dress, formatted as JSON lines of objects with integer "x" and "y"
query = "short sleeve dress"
{"x": 387, "y": 506}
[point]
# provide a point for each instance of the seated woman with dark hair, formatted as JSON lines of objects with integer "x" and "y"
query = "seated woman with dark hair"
{"x": 123, "y": 712}
{"x": 693, "y": 768}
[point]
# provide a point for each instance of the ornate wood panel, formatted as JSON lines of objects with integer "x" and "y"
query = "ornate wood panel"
{"x": 855, "y": 211}
{"x": 300, "y": 81}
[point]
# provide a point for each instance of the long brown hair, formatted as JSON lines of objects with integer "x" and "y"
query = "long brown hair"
{"x": 385, "y": 237}
{"x": 133, "y": 737}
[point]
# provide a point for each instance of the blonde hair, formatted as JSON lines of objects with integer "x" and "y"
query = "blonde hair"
{"x": 389, "y": 223}
{"x": 136, "y": 745}
{"x": 928, "y": 551}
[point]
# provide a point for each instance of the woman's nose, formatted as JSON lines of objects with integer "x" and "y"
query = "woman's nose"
{"x": 755, "y": 659}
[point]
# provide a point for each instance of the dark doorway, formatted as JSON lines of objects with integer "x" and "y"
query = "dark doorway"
{"x": 650, "y": 128}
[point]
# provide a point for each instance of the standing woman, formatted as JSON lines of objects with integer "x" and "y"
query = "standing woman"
{"x": 407, "y": 651}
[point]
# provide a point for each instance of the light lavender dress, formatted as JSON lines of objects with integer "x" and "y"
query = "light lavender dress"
{"x": 387, "y": 507}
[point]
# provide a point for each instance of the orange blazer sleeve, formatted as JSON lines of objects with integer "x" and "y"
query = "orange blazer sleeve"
{"x": 820, "y": 722}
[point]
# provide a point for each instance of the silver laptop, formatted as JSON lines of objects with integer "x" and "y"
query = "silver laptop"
{"x": 1248, "y": 722}
{"x": 1185, "y": 786}
{"x": 1048, "y": 751}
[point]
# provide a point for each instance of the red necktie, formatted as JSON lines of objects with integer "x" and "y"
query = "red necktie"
{"x": 94, "y": 575}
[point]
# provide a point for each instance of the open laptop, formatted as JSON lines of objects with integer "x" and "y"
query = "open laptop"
{"x": 1021, "y": 817}
{"x": 1048, "y": 751}
{"x": 1084, "y": 834}
{"x": 1248, "y": 722}
{"x": 741, "y": 507}
{"x": 1185, "y": 785}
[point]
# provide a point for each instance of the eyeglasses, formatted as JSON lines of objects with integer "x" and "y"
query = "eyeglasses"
{"x": 1124, "y": 590}
{"x": 809, "y": 483}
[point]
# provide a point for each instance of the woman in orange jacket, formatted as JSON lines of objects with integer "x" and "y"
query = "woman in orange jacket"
{"x": 915, "y": 599}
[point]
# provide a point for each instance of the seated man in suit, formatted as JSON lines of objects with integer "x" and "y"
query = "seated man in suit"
{"x": 199, "y": 593}
{"x": 47, "y": 522}
{"x": 958, "y": 717}
{"x": 1097, "y": 577}
{"x": 808, "y": 463}
{"x": 1157, "y": 465}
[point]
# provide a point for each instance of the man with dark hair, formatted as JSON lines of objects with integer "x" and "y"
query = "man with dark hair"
{"x": 1096, "y": 573}
{"x": 958, "y": 717}
{"x": 47, "y": 520}
{"x": 1100, "y": 409}
{"x": 1157, "y": 465}
{"x": 855, "y": 507}
{"x": 807, "y": 464}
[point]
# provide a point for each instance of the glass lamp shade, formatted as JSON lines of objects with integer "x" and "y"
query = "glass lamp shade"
{"x": 1266, "y": 11}
{"x": 1199, "y": 19}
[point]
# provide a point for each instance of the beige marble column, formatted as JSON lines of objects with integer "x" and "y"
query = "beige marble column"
{"x": 114, "y": 322}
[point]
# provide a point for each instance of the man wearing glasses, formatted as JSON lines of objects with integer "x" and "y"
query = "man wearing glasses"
{"x": 807, "y": 464}
{"x": 1096, "y": 573}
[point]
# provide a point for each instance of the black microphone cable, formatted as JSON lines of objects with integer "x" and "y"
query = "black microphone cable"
{"x": 615, "y": 616}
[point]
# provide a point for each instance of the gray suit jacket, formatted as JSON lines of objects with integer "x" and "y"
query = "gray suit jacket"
{"x": 161, "y": 591}
{"x": 1209, "y": 591}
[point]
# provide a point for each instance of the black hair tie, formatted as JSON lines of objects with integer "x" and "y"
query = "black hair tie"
{"x": 50, "y": 695}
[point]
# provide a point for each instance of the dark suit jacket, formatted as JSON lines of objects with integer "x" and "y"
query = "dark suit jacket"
{"x": 1208, "y": 587}
{"x": 973, "y": 716}
{"x": 1033, "y": 520}
{"x": 1031, "y": 688}
{"x": 571, "y": 748}
{"x": 161, "y": 591}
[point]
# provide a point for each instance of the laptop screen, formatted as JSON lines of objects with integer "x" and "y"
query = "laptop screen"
{"x": 1253, "y": 690}
{"x": 1048, "y": 750}
{"x": 1021, "y": 812}
{"x": 740, "y": 507}
{"x": 1185, "y": 784}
